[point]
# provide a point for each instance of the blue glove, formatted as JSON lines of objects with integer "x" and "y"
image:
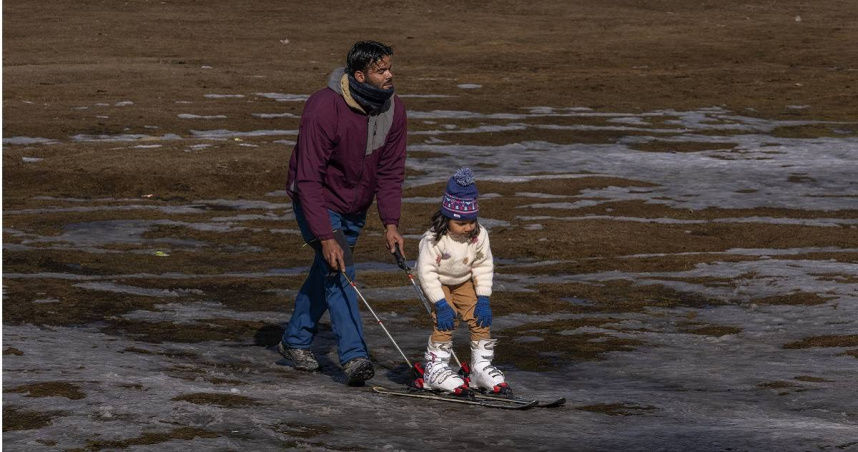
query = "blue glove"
{"x": 444, "y": 315}
{"x": 483, "y": 312}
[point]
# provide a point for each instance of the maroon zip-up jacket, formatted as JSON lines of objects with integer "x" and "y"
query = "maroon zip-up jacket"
{"x": 338, "y": 165}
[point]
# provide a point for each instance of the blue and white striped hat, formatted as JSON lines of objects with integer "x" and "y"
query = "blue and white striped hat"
{"x": 460, "y": 198}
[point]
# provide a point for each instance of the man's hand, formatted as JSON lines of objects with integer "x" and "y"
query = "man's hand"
{"x": 333, "y": 254}
{"x": 393, "y": 237}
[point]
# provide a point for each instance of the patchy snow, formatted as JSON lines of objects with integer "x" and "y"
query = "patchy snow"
{"x": 124, "y": 137}
{"x": 222, "y": 134}
{"x": 742, "y": 390}
{"x": 193, "y": 116}
{"x": 24, "y": 141}
{"x": 761, "y": 170}
{"x": 281, "y": 97}
{"x": 274, "y": 115}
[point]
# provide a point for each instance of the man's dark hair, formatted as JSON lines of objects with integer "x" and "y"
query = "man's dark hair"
{"x": 440, "y": 226}
{"x": 365, "y": 53}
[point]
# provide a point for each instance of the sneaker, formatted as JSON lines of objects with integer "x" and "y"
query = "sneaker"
{"x": 358, "y": 370}
{"x": 302, "y": 359}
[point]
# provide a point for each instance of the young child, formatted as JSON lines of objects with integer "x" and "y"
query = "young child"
{"x": 455, "y": 270}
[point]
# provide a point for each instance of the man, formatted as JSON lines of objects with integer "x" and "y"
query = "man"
{"x": 350, "y": 149}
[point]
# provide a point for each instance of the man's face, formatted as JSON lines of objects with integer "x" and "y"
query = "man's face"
{"x": 378, "y": 74}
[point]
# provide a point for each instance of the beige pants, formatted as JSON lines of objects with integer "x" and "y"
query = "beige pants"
{"x": 462, "y": 298}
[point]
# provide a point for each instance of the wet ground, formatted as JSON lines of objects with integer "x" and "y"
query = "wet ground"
{"x": 676, "y": 240}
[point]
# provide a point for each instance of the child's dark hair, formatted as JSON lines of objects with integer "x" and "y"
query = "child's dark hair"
{"x": 440, "y": 228}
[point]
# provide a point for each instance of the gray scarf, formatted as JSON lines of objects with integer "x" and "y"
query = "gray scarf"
{"x": 369, "y": 97}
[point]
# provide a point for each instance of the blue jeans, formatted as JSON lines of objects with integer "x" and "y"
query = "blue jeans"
{"x": 321, "y": 293}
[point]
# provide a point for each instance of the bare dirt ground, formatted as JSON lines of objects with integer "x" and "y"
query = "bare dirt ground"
{"x": 671, "y": 189}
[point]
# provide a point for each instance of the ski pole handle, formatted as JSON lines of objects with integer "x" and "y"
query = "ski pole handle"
{"x": 400, "y": 259}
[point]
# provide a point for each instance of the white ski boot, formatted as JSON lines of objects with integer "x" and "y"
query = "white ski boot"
{"x": 483, "y": 374}
{"x": 437, "y": 373}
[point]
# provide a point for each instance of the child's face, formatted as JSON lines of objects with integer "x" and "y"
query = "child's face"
{"x": 461, "y": 228}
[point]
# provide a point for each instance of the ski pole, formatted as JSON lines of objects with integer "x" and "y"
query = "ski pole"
{"x": 400, "y": 261}
{"x": 351, "y": 283}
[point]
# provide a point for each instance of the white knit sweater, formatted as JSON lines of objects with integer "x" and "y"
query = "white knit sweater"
{"x": 452, "y": 261}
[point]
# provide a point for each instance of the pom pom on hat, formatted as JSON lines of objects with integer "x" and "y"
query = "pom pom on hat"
{"x": 460, "y": 198}
{"x": 464, "y": 176}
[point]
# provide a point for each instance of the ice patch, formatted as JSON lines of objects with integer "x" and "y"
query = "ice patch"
{"x": 23, "y": 141}
{"x": 577, "y": 301}
{"x": 192, "y": 116}
{"x": 452, "y": 128}
{"x": 46, "y": 300}
{"x": 221, "y": 134}
{"x": 123, "y": 137}
{"x": 280, "y": 97}
{"x": 274, "y": 115}
{"x": 562, "y": 205}
{"x": 490, "y": 223}
{"x": 422, "y": 200}
{"x": 185, "y": 313}
{"x": 818, "y": 222}
{"x": 760, "y": 174}
{"x": 634, "y": 120}
{"x": 540, "y": 195}
{"x": 245, "y": 204}
{"x": 458, "y": 114}
{"x": 424, "y": 96}
{"x": 98, "y": 233}
{"x": 132, "y": 290}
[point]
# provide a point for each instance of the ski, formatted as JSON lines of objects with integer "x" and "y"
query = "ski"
{"x": 473, "y": 399}
{"x": 521, "y": 400}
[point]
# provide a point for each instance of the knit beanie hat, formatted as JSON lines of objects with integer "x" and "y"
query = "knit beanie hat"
{"x": 460, "y": 198}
